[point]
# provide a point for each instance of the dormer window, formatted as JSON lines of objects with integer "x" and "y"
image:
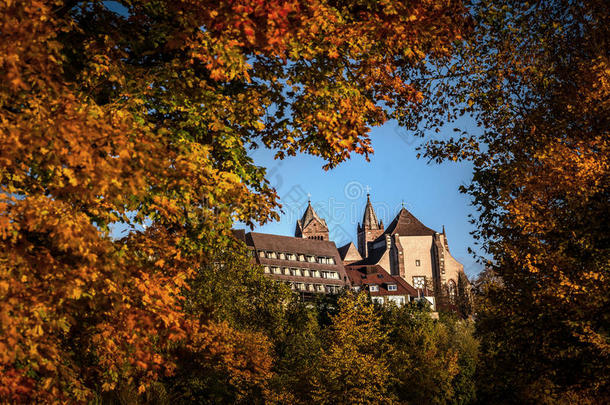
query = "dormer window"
{"x": 373, "y": 288}
{"x": 392, "y": 287}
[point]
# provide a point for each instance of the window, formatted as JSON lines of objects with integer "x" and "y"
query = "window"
{"x": 331, "y": 260}
{"x": 319, "y": 287}
{"x": 315, "y": 273}
{"x": 417, "y": 263}
{"x": 301, "y": 258}
{"x": 290, "y": 256}
{"x": 377, "y": 300}
{"x": 261, "y": 254}
{"x": 311, "y": 259}
{"x": 373, "y": 288}
{"x": 392, "y": 287}
{"x": 266, "y": 269}
{"x": 419, "y": 281}
{"x": 332, "y": 289}
{"x": 397, "y": 300}
{"x": 305, "y": 272}
{"x": 282, "y": 256}
{"x": 322, "y": 260}
{"x": 452, "y": 290}
{"x": 276, "y": 270}
{"x": 356, "y": 288}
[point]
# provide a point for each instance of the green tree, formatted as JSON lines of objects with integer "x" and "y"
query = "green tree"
{"x": 464, "y": 301}
{"x": 353, "y": 368}
{"x": 423, "y": 363}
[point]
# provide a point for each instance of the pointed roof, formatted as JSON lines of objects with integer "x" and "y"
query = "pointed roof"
{"x": 309, "y": 216}
{"x": 349, "y": 253}
{"x": 405, "y": 224}
{"x": 369, "y": 219}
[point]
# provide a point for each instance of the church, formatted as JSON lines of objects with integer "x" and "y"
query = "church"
{"x": 404, "y": 262}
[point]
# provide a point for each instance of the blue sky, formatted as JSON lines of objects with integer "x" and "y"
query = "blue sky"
{"x": 393, "y": 176}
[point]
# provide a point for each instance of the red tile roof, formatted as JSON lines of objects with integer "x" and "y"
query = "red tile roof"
{"x": 366, "y": 275}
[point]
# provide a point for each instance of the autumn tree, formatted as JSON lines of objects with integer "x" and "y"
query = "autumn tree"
{"x": 353, "y": 368}
{"x": 138, "y": 112}
{"x": 534, "y": 77}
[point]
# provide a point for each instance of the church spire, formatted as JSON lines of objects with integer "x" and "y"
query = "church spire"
{"x": 370, "y": 228}
{"x": 369, "y": 220}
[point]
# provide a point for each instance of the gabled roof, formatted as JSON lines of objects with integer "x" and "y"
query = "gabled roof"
{"x": 365, "y": 275}
{"x": 405, "y": 224}
{"x": 349, "y": 253}
{"x": 369, "y": 219}
{"x": 374, "y": 256}
{"x": 309, "y": 216}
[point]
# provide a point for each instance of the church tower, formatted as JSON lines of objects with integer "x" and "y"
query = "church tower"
{"x": 311, "y": 226}
{"x": 370, "y": 229}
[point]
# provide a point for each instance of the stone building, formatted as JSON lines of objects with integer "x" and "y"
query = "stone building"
{"x": 370, "y": 229}
{"x": 412, "y": 251}
{"x": 400, "y": 263}
{"x": 311, "y": 226}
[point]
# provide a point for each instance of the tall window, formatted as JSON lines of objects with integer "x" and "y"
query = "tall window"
{"x": 417, "y": 263}
{"x": 452, "y": 290}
